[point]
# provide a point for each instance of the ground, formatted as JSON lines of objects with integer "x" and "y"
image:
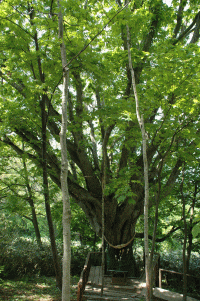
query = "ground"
{"x": 33, "y": 288}
{"x": 36, "y": 289}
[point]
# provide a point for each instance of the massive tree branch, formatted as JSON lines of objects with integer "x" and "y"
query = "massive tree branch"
{"x": 125, "y": 152}
{"x": 17, "y": 86}
{"x": 94, "y": 145}
{"x": 179, "y": 17}
{"x": 195, "y": 36}
{"x": 188, "y": 30}
{"x": 79, "y": 106}
{"x": 104, "y": 147}
{"x": 99, "y": 105}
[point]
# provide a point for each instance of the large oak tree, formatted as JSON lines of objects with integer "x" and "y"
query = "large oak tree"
{"x": 165, "y": 55}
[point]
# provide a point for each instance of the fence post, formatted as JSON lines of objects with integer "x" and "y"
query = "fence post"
{"x": 160, "y": 278}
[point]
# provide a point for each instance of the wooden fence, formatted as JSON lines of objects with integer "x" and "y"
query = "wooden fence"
{"x": 172, "y": 272}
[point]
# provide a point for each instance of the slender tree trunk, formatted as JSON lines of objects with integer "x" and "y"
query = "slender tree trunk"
{"x": 146, "y": 178}
{"x": 57, "y": 266}
{"x": 31, "y": 203}
{"x": 64, "y": 169}
{"x": 184, "y": 244}
{"x": 190, "y": 236}
{"x": 155, "y": 230}
{"x": 103, "y": 212}
{"x": 103, "y": 254}
{"x": 65, "y": 197}
{"x": 146, "y": 215}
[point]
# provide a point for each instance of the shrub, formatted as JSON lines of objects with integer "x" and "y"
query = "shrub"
{"x": 174, "y": 261}
{"x": 23, "y": 257}
{"x": 78, "y": 258}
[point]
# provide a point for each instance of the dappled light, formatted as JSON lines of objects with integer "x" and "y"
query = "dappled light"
{"x": 99, "y": 150}
{"x": 38, "y": 288}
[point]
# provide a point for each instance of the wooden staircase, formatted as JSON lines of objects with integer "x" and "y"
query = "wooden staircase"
{"x": 90, "y": 284}
{"x": 111, "y": 292}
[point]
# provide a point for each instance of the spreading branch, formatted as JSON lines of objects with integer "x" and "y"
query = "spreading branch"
{"x": 161, "y": 239}
{"x": 188, "y": 30}
{"x": 86, "y": 46}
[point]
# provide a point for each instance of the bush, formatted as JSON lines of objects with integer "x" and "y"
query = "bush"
{"x": 174, "y": 261}
{"x": 79, "y": 255}
{"x": 23, "y": 257}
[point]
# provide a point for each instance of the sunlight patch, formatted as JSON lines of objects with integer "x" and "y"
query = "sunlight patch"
{"x": 42, "y": 285}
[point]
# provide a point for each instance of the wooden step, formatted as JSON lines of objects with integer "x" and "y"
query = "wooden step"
{"x": 95, "y": 294}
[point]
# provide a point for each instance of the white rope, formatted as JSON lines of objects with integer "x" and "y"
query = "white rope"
{"x": 120, "y": 246}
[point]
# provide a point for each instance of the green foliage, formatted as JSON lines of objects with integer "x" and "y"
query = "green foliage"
{"x": 22, "y": 257}
{"x": 167, "y": 73}
{"x": 172, "y": 261}
{"x": 34, "y": 288}
{"x": 196, "y": 228}
{"x": 78, "y": 257}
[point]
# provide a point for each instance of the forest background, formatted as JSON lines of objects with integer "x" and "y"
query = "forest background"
{"x": 101, "y": 115}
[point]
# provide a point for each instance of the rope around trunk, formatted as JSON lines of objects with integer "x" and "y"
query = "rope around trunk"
{"x": 120, "y": 246}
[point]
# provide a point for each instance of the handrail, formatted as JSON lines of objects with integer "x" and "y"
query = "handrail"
{"x": 84, "y": 276}
{"x": 172, "y": 272}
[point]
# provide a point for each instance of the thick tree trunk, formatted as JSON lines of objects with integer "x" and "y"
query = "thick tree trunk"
{"x": 121, "y": 258}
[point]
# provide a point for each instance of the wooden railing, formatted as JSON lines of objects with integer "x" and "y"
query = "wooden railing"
{"x": 172, "y": 272}
{"x": 84, "y": 276}
{"x": 92, "y": 256}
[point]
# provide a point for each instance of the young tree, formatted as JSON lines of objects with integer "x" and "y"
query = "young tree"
{"x": 146, "y": 175}
{"x": 184, "y": 241}
{"x": 64, "y": 167}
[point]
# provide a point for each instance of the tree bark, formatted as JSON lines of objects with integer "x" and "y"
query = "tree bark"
{"x": 184, "y": 242}
{"x": 155, "y": 229}
{"x": 190, "y": 236}
{"x": 64, "y": 169}
{"x": 146, "y": 176}
{"x": 57, "y": 266}
{"x": 31, "y": 203}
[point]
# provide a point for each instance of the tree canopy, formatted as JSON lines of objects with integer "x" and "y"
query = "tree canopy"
{"x": 101, "y": 111}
